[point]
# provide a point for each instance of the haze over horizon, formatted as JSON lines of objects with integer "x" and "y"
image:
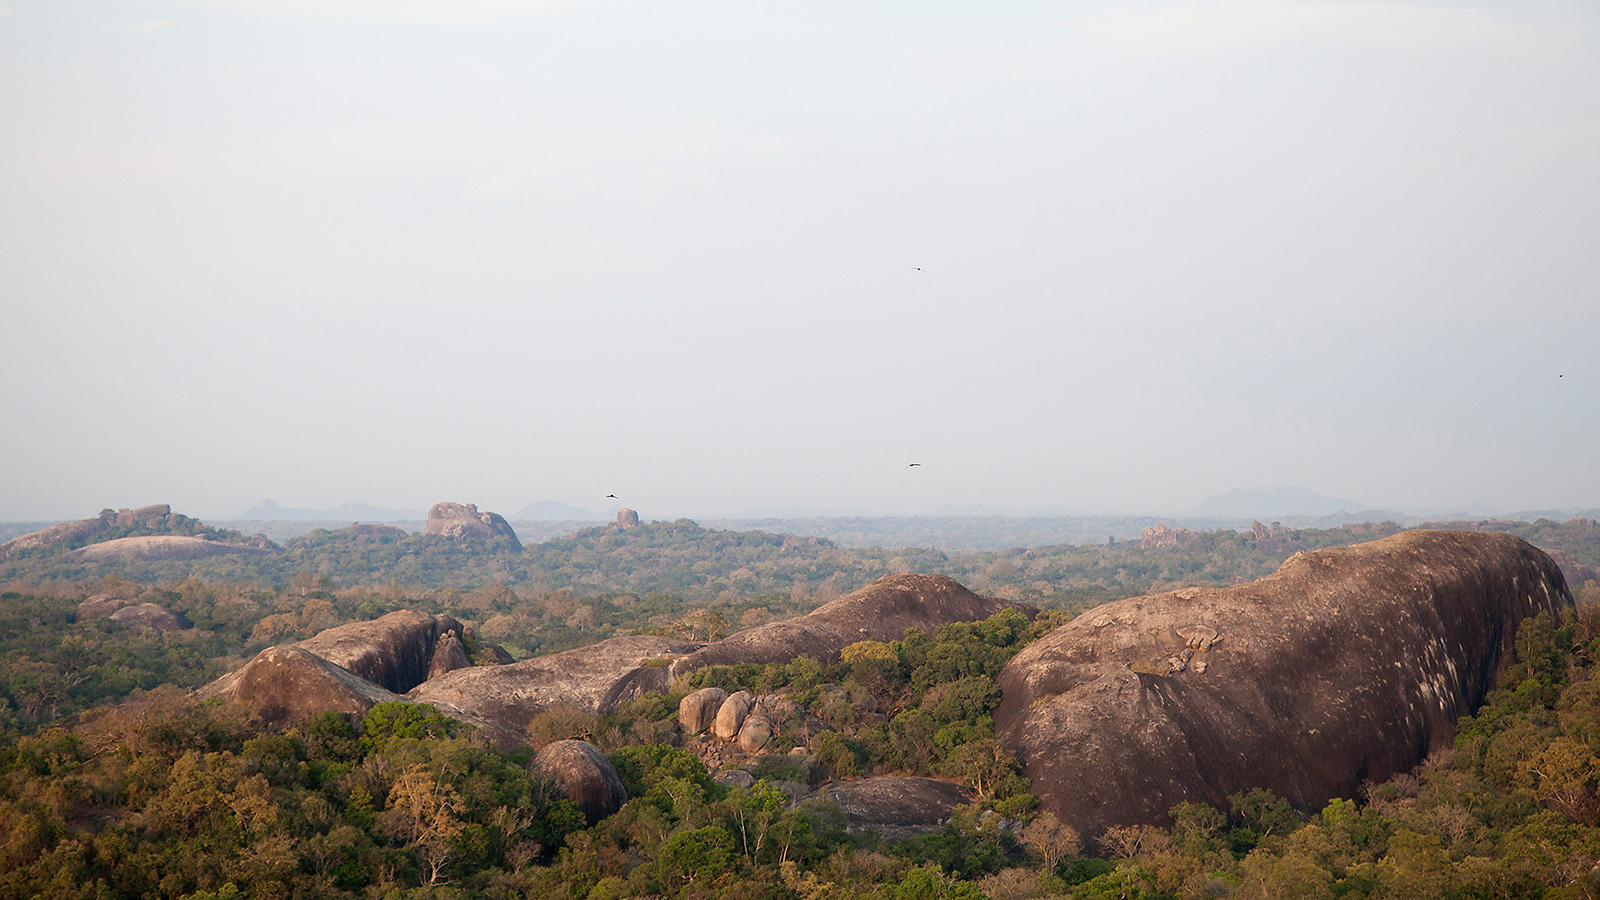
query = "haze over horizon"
{"x": 1100, "y": 257}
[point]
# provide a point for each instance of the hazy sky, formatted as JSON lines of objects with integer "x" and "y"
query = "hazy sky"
{"x": 401, "y": 251}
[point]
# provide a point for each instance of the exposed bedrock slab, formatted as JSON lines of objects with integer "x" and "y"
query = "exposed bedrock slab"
{"x": 896, "y": 806}
{"x": 395, "y": 651}
{"x": 1345, "y": 665}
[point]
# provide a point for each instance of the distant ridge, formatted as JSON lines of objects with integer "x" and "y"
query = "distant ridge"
{"x": 1274, "y": 502}
{"x": 267, "y": 511}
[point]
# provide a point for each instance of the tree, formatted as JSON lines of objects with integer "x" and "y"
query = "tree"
{"x": 425, "y": 812}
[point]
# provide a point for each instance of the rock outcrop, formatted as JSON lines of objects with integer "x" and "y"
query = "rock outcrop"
{"x": 896, "y": 807}
{"x": 590, "y": 679}
{"x": 463, "y": 521}
{"x": 292, "y": 683}
{"x": 395, "y": 652}
{"x": 627, "y": 518}
{"x": 72, "y": 534}
{"x": 162, "y": 547}
{"x": 1346, "y": 665}
{"x": 582, "y": 774}
{"x": 1159, "y": 535}
{"x": 881, "y": 611}
{"x": 698, "y": 711}
{"x": 152, "y": 616}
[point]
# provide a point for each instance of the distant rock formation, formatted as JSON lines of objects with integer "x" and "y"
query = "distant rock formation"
{"x": 881, "y": 611}
{"x": 1346, "y": 665}
{"x": 69, "y": 534}
{"x": 161, "y": 547}
{"x": 457, "y": 520}
{"x": 1574, "y": 571}
{"x": 1159, "y": 535}
{"x": 896, "y": 807}
{"x": 152, "y": 616}
{"x": 582, "y": 774}
{"x": 627, "y": 518}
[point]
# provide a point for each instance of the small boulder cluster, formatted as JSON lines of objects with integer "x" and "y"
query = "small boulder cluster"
{"x": 742, "y": 719}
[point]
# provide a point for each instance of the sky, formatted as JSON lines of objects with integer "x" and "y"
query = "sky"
{"x": 714, "y": 257}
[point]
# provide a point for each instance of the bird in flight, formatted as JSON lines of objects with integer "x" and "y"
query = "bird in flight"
{"x": 918, "y": 268}
{"x": 611, "y": 496}
{"x": 914, "y": 466}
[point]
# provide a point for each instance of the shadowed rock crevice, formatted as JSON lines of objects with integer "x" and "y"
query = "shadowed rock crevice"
{"x": 1346, "y": 665}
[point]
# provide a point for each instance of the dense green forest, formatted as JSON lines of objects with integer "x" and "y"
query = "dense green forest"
{"x": 113, "y": 783}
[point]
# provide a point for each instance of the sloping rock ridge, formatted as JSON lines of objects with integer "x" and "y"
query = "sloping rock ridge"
{"x": 591, "y": 679}
{"x": 161, "y": 547}
{"x": 881, "y": 611}
{"x": 463, "y": 521}
{"x": 394, "y": 652}
{"x": 1347, "y": 665}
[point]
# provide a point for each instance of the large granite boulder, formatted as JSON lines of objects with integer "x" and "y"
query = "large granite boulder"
{"x": 698, "y": 711}
{"x": 881, "y": 611}
{"x": 1346, "y": 665}
{"x": 731, "y": 715}
{"x": 292, "y": 683}
{"x": 395, "y": 652}
{"x": 582, "y": 774}
{"x": 463, "y": 521}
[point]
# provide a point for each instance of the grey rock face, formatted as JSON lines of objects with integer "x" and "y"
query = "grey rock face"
{"x": 1347, "y": 664}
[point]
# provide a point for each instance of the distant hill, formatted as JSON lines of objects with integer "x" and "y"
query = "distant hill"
{"x": 267, "y": 511}
{"x": 554, "y": 511}
{"x": 1273, "y": 503}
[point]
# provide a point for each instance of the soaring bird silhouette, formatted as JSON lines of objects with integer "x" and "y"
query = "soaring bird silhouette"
{"x": 611, "y": 496}
{"x": 914, "y": 465}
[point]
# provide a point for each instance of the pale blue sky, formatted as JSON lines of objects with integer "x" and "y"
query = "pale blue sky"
{"x": 495, "y": 252}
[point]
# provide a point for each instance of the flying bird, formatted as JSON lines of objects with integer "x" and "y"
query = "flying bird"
{"x": 914, "y": 465}
{"x": 611, "y": 496}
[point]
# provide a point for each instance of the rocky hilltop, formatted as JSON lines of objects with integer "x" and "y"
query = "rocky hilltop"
{"x": 463, "y": 521}
{"x": 1346, "y": 665}
{"x": 148, "y": 532}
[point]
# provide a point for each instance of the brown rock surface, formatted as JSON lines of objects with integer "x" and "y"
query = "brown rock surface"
{"x": 896, "y": 807}
{"x": 292, "y": 683}
{"x": 627, "y": 518}
{"x": 162, "y": 546}
{"x": 881, "y": 611}
{"x": 1346, "y": 665}
{"x": 583, "y": 775}
{"x": 462, "y": 520}
{"x": 756, "y": 731}
{"x": 152, "y": 616}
